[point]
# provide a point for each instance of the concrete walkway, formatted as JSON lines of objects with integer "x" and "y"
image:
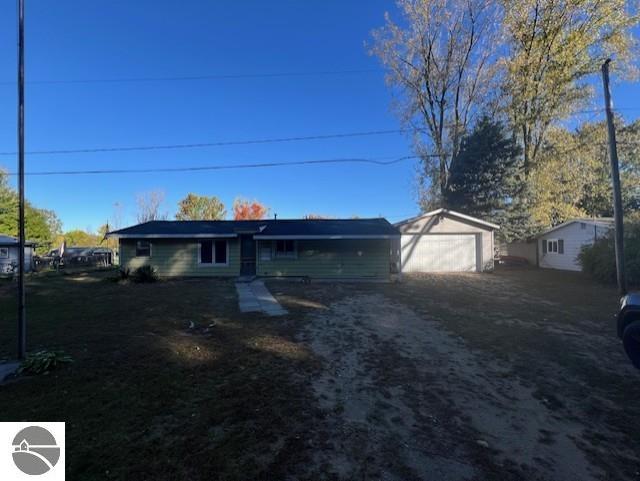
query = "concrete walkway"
{"x": 255, "y": 297}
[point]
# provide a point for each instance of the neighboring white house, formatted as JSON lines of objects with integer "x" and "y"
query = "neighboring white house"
{"x": 558, "y": 248}
{"x": 9, "y": 250}
{"x": 446, "y": 241}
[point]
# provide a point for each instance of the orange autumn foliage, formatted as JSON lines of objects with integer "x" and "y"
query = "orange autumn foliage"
{"x": 249, "y": 210}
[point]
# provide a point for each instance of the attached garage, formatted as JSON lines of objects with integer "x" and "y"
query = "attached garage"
{"x": 446, "y": 241}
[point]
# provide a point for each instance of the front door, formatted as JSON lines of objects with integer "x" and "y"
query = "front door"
{"x": 247, "y": 255}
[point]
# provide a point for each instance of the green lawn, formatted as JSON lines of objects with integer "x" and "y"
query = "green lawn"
{"x": 149, "y": 398}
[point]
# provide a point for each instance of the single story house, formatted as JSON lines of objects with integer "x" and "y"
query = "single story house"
{"x": 446, "y": 241}
{"x": 558, "y": 247}
{"x": 9, "y": 254}
{"x": 316, "y": 248}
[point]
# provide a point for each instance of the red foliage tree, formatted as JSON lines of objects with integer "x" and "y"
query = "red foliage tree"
{"x": 249, "y": 210}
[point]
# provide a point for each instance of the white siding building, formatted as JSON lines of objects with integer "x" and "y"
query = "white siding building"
{"x": 9, "y": 251}
{"x": 558, "y": 248}
{"x": 445, "y": 241}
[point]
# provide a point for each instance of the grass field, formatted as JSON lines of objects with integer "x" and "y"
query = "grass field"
{"x": 505, "y": 376}
{"x": 149, "y": 398}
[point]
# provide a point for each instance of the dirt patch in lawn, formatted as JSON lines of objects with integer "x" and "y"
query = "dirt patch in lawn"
{"x": 510, "y": 376}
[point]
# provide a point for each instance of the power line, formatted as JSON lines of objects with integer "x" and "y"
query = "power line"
{"x": 202, "y": 77}
{"x": 249, "y": 141}
{"x": 211, "y": 144}
{"x": 373, "y": 161}
{"x": 601, "y": 110}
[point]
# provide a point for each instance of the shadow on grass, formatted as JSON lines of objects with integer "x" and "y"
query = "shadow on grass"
{"x": 149, "y": 396}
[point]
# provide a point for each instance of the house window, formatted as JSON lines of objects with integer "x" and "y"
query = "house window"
{"x": 220, "y": 252}
{"x": 555, "y": 246}
{"x": 143, "y": 249}
{"x": 583, "y": 226}
{"x": 206, "y": 252}
{"x": 4, "y": 252}
{"x": 214, "y": 252}
{"x": 285, "y": 248}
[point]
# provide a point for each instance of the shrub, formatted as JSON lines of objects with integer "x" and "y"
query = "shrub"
{"x": 145, "y": 274}
{"x": 123, "y": 275}
{"x": 599, "y": 259}
{"x": 43, "y": 362}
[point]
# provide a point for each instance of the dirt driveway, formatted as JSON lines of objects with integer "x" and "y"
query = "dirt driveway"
{"x": 512, "y": 375}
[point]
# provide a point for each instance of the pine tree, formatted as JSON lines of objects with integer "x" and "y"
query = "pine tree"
{"x": 487, "y": 180}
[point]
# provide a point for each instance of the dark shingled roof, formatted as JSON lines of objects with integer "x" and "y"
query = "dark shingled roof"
{"x": 6, "y": 240}
{"x": 270, "y": 227}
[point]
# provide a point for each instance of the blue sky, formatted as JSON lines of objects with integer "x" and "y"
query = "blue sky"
{"x": 116, "y": 39}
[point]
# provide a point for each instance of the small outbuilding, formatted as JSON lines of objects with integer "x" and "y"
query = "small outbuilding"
{"x": 558, "y": 247}
{"x": 446, "y": 241}
{"x": 9, "y": 254}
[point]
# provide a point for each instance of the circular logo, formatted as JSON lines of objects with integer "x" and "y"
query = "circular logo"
{"x": 35, "y": 450}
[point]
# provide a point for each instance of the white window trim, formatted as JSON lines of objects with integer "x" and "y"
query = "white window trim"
{"x": 213, "y": 262}
{"x": 150, "y": 249}
{"x": 293, "y": 255}
{"x": 549, "y": 251}
{"x": 4, "y": 250}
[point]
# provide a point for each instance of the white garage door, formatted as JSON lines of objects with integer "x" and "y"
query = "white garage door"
{"x": 439, "y": 253}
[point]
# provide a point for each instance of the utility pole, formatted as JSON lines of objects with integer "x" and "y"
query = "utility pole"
{"x": 615, "y": 179}
{"x": 22, "y": 317}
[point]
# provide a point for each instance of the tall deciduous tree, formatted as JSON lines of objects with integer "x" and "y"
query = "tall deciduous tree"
{"x": 441, "y": 62}
{"x": 41, "y": 225}
{"x": 571, "y": 177}
{"x": 149, "y": 206}
{"x": 249, "y": 210}
{"x": 553, "y": 47}
{"x": 557, "y": 180}
{"x": 200, "y": 207}
{"x": 117, "y": 216}
{"x": 81, "y": 238}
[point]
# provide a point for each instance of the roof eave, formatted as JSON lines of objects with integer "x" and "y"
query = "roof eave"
{"x": 170, "y": 236}
{"x": 453, "y": 213}
{"x": 597, "y": 223}
{"x": 326, "y": 237}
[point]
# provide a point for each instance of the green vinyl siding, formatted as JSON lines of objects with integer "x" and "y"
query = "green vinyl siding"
{"x": 346, "y": 258}
{"x": 179, "y": 257}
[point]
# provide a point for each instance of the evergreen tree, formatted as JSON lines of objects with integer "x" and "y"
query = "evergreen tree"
{"x": 487, "y": 180}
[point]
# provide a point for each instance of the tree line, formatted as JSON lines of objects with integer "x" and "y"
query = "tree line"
{"x": 491, "y": 91}
{"x": 198, "y": 207}
{"x": 41, "y": 225}
{"x": 44, "y": 227}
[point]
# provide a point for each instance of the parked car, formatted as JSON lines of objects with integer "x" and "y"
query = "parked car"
{"x": 629, "y": 326}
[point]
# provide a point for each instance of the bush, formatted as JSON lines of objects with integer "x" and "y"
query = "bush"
{"x": 145, "y": 274}
{"x": 599, "y": 259}
{"x": 43, "y": 362}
